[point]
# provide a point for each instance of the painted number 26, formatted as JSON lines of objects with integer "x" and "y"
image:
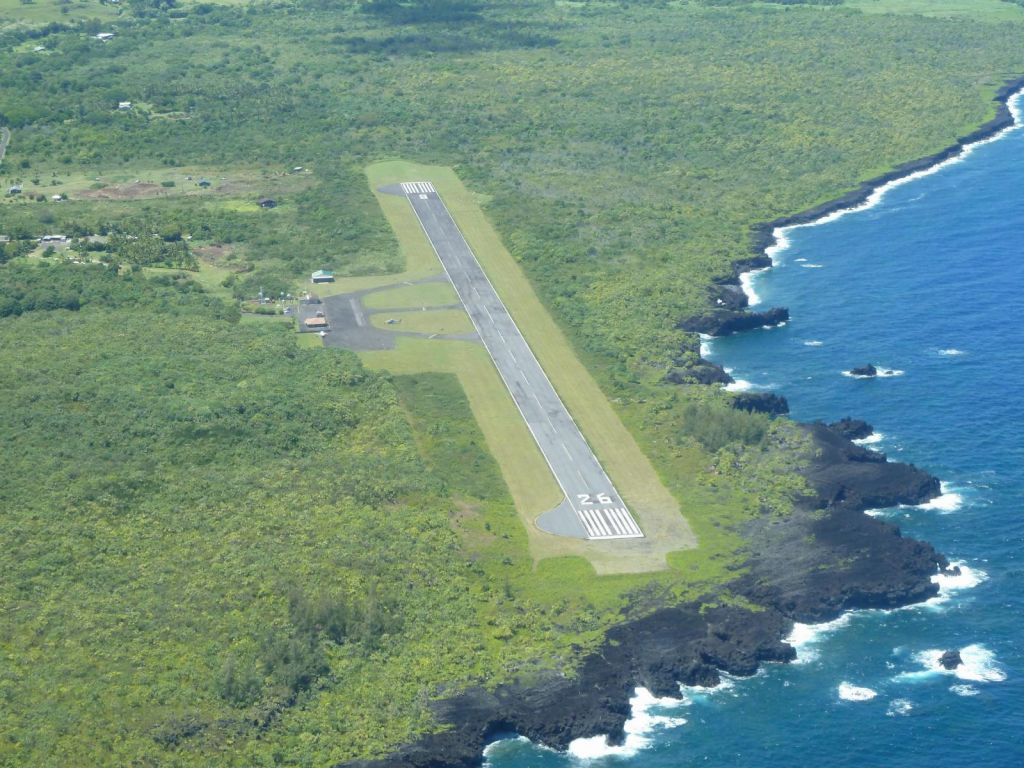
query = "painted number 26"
{"x": 599, "y": 498}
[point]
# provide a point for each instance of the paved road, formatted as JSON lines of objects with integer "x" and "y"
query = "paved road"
{"x": 594, "y": 506}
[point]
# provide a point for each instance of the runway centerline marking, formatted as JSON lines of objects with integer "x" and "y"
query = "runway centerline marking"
{"x": 579, "y": 473}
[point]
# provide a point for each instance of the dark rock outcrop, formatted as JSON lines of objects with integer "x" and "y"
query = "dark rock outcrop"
{"x": 728, "y": 296}
{"x": 852, "y": 429}
{"x": 826, "y": 557}
{"x": 864, "y": 371}
{"x": 951, "y": 660}
{"x": 764, "y": 236}
{"x": 685, "y": 644}
{"x": 761, "y": 402}
{"x": 722, "y": 322}
{"x": 701, "y": 372}
{"x": 842, "y": 472}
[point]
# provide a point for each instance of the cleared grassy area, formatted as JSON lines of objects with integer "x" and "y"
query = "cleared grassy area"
{"x": 654, "y": 506}
{"x": 16, "y": 13}
{"x": 411, "y": 296}
{"x": 38, "y": 12}
{"x": 431, "y": 321}
{"x": 143, "y": 183}
{"x": 980, "y": 10}
{"x": 416, "y": 254}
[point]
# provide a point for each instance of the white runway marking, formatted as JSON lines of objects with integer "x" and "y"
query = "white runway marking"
{"x": 610, "y": 523}
{"x": 598, "y": 509}
{"x": 417, "y": 188}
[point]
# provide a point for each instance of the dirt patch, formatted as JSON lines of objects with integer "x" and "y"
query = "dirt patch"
{"x": 213, "y": 253}
{"x": 133, "y": 191}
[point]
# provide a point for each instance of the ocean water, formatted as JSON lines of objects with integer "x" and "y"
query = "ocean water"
{"x": 927, "y": 284}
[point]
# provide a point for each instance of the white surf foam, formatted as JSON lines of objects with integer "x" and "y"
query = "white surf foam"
{"x": 805, "y": 637}
{"x": 812, "y": 266}
{"x": 691, "y": 693}
{"x": 979, "y": 666}
{"x": 800, "y": 259}
{"x": 850, "y": 692}
{"x": 500, "y": 747}
{"x": 951, "y": 352}
{"x": 740, "y": 385}
{"x": 878, "y": 194}
{"x": 874, "y": 437}
{"x": 781, "y": 243}
{"x": 747, "y": 284}
{"x": 949, "y": 501}
{"x": 642, "y": 722}
{"x": 968, "y": 578}
{"x": 964, "y": 690}
{"x": 813, "y": 343}
{"x": 899, "y": 707}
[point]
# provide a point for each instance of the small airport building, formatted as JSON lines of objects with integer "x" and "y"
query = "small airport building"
{"x": 322, "y": 276}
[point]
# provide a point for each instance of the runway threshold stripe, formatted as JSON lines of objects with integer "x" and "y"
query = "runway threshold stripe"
{"x": 620, "y": 519}
{"x": 615, "y": 523}
{"x": 598, "y": 523}
{"x": 627, "y": 522}
{"x": 587, "y": 525}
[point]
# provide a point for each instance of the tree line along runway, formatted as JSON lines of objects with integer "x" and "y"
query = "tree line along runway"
{"x": 593, "y": 508}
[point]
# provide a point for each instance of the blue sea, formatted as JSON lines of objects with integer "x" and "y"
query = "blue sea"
{"x": 928, "y": 285}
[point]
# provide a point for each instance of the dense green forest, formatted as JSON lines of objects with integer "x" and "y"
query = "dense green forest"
{"x": 221, "y": 548}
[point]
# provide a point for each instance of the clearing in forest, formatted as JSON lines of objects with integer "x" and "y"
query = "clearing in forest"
{"x": 527, "y": 474}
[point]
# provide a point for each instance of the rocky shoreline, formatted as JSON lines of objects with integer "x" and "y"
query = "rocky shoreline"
{"x": 826, "y": 558}
{"x": 811, "y": 566}
{"x": 728, "y": 312}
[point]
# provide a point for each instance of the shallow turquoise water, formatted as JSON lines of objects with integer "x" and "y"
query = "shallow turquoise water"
{"x": 929, "y": 283}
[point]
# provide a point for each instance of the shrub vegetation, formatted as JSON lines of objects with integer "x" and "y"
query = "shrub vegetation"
{"x": 223, "y": 547}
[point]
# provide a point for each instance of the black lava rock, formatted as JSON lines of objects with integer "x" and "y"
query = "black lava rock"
{"x": 723, "y": 322}
{"x": 950, "y": 660}
{"x": 864, "y": 370}
{"x": 701, "y": 372}
{"x": 852, "y": 429}
{"x": 761, "y": 402}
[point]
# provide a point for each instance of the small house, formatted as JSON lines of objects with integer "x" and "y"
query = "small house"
{"x": 266, "y": 202}
{"x": 104, "y": 36}
{"x": 39, "y": 49}
{"x": 315, "y": 322}
{"x": 14, "y": 189}
{"x": 204, "y": 183}
{"x": 322, "y": 276}
{"x": 298, "y": 169}
{"x": 124, "y": 105}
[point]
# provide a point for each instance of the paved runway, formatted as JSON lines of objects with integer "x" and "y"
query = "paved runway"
{"x": 593, "y": 506}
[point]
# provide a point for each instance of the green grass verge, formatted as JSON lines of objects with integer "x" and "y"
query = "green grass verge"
{"x": 411, "y": 296}
{"x": 653, "y": 505}
{"x": 443, "y": 321}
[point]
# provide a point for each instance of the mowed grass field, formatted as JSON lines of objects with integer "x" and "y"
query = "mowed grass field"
{"x": 530, "y": 482}
{"x": 38, "y": 12}
{"x": 412, "y": 296}
{"x": 981, "y": 10}
{"x": 429, "y": 321}
{"x": 241, "y": 185}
